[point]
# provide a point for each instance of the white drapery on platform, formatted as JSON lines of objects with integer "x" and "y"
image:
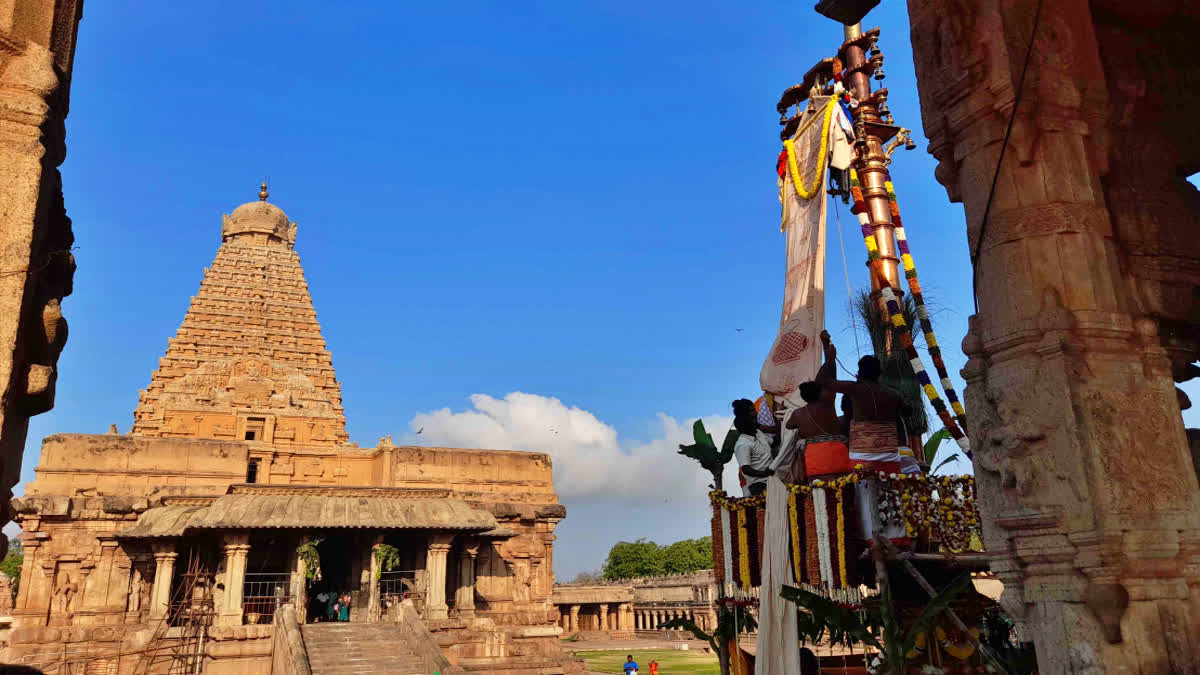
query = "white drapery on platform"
{"x": 795, "y": 355}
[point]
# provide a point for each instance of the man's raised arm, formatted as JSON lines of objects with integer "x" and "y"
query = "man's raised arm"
{"x": 827, "y": 375}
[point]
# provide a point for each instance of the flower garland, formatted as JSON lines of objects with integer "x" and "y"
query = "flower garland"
{"x": 897, "y": 319}
{"x": 841, "y": 538}
{"x": 822, "y": 513}
{"x": 743, "y": 546}
{"x": 718, "y": 546}
{"x": 941, "y": 507}
{"x": 822, "y": 154}
{"x": 910, "y": 273}
{"x": 944, "y": 507}
{"x": 794, "y": 521}
{"x": 734, "y": 602}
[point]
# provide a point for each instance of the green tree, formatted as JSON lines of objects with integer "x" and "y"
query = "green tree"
{"x": 11, "y": 565}
{"x": 627, "y": 560}
{"x": 689, "y": 555}
{"x": 588, "y": 578}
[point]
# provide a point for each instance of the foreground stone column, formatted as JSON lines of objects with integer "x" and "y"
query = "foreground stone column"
{"x": 1086, "y": 486}
{"x": 464, "y": 596}
{"x": 38, "y": 267}
{"x": 164, "y": 573}
{"x": 435, "y": 564}
{"x": 237, "y": 549}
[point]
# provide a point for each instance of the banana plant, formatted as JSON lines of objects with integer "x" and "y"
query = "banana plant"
{"x": 706, "y": 452}
{"x": 894, "y": 644}
{"x": 931, "y": 447}
{"x": 729, "y": 623}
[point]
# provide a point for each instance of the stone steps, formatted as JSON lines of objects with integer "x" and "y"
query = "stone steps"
{"x": 359, "y": 649}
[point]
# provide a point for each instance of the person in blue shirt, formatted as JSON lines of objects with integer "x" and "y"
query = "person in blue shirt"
{"x": 630, "y": 665}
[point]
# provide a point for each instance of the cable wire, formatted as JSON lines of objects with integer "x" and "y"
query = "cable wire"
{"x": 1037, "y": 18}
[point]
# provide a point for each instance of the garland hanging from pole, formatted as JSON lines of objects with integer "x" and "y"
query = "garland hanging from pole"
{"x": 822, "y": 154}
{"x": 897, "y": 319}
{"x": 910, "y": 273}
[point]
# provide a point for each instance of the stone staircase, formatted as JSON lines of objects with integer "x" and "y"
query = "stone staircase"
{"x": 359, "y": 649}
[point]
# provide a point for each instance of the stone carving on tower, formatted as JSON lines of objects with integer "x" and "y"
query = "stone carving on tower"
{"x": 249, "y": 361}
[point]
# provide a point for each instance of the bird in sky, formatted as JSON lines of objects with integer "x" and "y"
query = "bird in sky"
{"x": 739, "y": 329}
{"x": 419, "y": 431}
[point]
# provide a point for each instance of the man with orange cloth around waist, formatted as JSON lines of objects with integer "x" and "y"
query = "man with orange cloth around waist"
{"x": 873, "y": 441}
{"x": 826, "y": 453}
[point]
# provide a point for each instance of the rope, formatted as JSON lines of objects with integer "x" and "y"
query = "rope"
{"x": 1037, "y": 18}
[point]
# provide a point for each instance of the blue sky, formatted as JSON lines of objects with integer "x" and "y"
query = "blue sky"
{"x": 573, "y": 201}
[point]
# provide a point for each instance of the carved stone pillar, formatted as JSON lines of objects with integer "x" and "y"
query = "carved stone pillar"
{"x": 464, "y": 596}
{"x": 237, "y": 549}
{"x": 164, "y": 573}
{"x": 574, "y": 618}
{"x": 38, "y": 41}
{"x": 101, "y": 591}
{"x": 1085, "y": 479}
{"x": 435, "y": 564}
{"x": 603, "y": 617}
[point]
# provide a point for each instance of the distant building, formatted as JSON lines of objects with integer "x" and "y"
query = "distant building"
{"x": 621, "y": 608}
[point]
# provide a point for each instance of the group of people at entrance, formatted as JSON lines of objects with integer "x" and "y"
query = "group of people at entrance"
{"x": 337, "y": 606}
{"x": 823, "y": 443}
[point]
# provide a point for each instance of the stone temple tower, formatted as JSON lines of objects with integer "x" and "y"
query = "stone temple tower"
{"x": 248, "y": 362}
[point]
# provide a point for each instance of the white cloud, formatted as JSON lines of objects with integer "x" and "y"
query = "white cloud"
{"x": 591, "y": 462}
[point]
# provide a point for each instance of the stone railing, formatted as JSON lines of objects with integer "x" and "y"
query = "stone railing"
{"x": 421, "y": 641}
{"x": 288, "y": 654}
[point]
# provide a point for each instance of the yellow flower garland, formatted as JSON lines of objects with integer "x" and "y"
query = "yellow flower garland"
{"x": 841, "y": 537}
{"x": 794, "y": 518}
{"x": 743, "y": 550}
{"x": 819, "y": 172}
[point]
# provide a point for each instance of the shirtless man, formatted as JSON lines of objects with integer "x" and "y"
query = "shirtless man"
{"x": 874, "y": 408}
{"x": 825, "y": 452}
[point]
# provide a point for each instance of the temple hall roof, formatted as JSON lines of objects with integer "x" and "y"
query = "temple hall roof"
{"x": 313, "y": 510}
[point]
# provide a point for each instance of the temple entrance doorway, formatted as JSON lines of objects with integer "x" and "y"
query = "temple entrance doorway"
{"x": 337, "y": 551}
{"x": 405, "y": 579}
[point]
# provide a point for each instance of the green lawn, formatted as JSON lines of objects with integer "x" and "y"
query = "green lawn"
{"x": 670, "y": 661}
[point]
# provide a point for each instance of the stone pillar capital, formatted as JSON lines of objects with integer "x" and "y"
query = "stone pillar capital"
{"x": 231, "y": 540}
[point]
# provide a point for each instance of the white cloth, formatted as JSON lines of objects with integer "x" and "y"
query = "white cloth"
{"x": 794, "y": 356}
{"x": 908, "y": 463}
{"x": 841, "y": 137}
{"x": 778, "y": 644}
{"x": 867, "y": 493}
{"x": 755, "y": 452}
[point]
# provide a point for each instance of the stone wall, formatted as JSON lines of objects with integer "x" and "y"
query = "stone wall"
{"x": 37, "y": 48}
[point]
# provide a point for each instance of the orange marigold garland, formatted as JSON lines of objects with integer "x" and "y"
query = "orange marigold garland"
{"x": 718, "y": 546}
{"x": 743, "y": 552}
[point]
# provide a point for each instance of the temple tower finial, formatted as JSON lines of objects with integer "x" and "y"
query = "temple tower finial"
{"x": 262, "y": 191}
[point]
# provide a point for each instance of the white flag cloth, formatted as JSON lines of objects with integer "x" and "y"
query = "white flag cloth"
{"x": 795, "y": 355}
